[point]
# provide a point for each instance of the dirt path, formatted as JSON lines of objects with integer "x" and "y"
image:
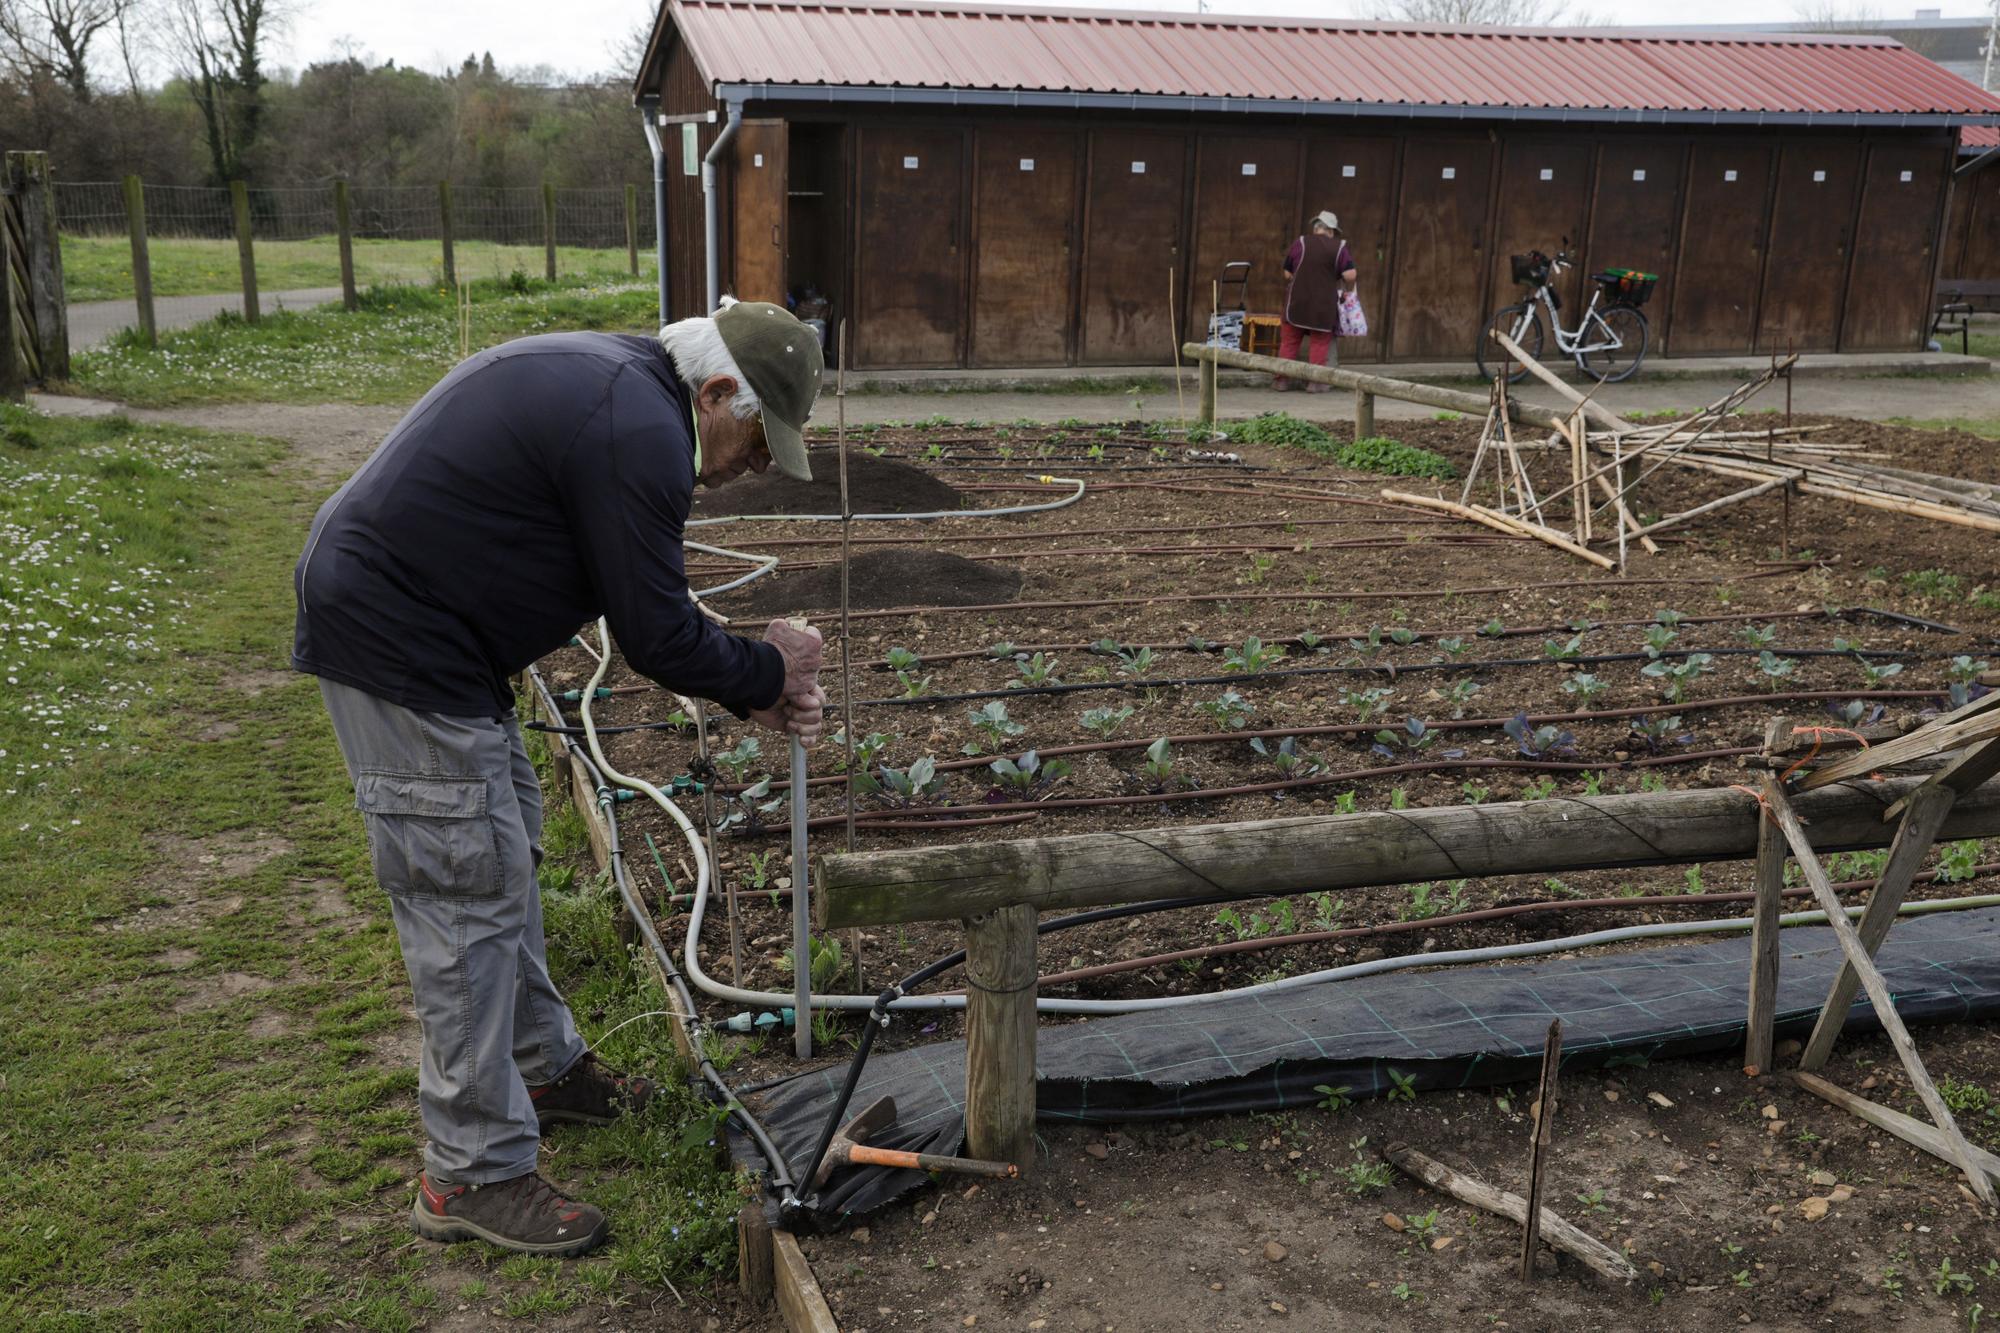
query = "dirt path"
{"x": 328, "y": 440}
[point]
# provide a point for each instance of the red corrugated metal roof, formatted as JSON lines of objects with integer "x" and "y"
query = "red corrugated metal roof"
{"x": 1979, "y": 138}
{"x": 1110, "y": 52}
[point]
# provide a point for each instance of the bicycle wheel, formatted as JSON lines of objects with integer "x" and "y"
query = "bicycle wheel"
{"x": 1520, "y": 322}
{"x": 1600, "y": 359}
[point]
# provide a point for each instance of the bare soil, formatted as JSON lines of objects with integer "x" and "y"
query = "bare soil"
{"x": 882, "y": 578}
{"x": 874, "y": 486}
{"x": 1190, "y": 562}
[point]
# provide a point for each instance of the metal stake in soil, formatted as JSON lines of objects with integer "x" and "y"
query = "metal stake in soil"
{"x": 802, "y": 1041}
{"x": 846, "y": 644}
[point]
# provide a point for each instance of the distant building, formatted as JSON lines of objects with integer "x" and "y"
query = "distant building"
{"x": 1958, "y": 44}
{"x": 983, "y": 186}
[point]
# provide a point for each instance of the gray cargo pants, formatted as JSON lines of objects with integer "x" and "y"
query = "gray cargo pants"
{"x": 454, "y": 815}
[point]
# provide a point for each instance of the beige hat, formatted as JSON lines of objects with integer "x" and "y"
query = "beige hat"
{"x": 1328, "y": 220}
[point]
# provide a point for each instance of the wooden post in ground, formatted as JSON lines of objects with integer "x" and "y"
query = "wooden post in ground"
{"x": 1364, "y": 415}
{"x": 632, "y": 230}
{"x": 1878, "y": 990}
{"x": 34, "y": 191}
{"x": 246, "y": 257}
{"x": 1000, "y": 1036}
{"x": 349, "y": 298}
{"x": 444, "y": 230}
{"x": 549, "y": 230}
{"x": 142, "y": 259}
{"x": 753, "y": 1254}
{"x": 1764, "y": 915}
{"x": 13, "y": 367}
{"x": 1545, "y": 1115}
{"x": 1205, "y": 405}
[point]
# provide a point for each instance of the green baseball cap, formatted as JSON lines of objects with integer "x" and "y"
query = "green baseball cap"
{"x": 781, "y": 359}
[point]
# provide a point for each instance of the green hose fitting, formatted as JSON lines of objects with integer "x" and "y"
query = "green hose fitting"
{"x": 576, "y": 696}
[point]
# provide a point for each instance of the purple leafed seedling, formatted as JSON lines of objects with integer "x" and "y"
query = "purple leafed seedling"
{"x": 1538, "y": 742}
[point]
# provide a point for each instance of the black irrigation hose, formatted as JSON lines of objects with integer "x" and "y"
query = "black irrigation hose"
{"x": 643, "y": 917}
{"x": 1388, "y": 669}
{"x": 552, "y": 729}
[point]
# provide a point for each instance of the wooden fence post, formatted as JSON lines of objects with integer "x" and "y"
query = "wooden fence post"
{"x": 34, "y": 192}
{"x": 142, "y": 258}
{"x": 246, "y": 257}
{"x": 444, "y": 229}
{"x": 13, "y": 367}
{"x": 1364, "y": 415}
{"x": 632, "y": 229}
{"x": 549, "y": 229}
{"x": 1763, "y": 1008}
{"x": 343, "y": 226}
{"x": 1000, "y": 1036}
{"x": 1205, "y": 408}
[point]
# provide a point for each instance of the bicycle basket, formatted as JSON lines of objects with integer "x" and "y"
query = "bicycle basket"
{"x": 1532, "y": 268}
{"x": 1626, "y": 286}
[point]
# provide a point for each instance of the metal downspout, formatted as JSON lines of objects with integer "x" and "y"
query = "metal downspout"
{"x": 649, "y": 116}
{"x": 711, "y": 221}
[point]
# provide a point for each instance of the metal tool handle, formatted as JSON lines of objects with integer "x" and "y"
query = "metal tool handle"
{"x": 863, "y": 1155}
{"x": 802, "y": 1042}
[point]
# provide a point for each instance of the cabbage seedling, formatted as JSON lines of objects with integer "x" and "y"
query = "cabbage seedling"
{"x": 1159, "y": 765}
{"x": 1254, "y": 655}
{"x": 1285, "y": 757}
{"x": 1028, "y": 772}
{"x": 1877, "y": 674}
{"x": 1675, "y": 677}
{"x": 1037, "y": 670}
{"x": 995, "y": 728}
{"x": 1535, "y": 742}
{"x": 1232, "y": 710}
{"x": 904, "y": 785}
{"x": 1460, "y": 695}
{"x": 1585, "y": 687}
{"x": 1775, "y": 668}
{"x": 1369, "y": 703}
{"x": 902, "y": 659}
{"x": 1413, "y": 736}
{"x": 736, "y": 763}
{"x": 1105, "y": 722}
{"x": 1760, "y": 636}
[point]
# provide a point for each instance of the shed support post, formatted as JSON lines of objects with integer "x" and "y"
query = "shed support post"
{"x": 1000, "y": 1035}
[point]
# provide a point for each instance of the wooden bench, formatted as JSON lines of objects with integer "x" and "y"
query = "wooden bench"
{"x": 1958, "y": 299}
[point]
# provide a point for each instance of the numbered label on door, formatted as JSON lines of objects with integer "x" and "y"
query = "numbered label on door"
{"x": 909, "y": 164}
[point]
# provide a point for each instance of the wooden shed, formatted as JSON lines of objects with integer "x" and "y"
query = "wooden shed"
{"x": 1001, "y": 187}
{"x": 1972, "y": 237}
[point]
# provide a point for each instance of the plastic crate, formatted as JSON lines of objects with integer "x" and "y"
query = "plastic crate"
{"x": 1626, "y": 286}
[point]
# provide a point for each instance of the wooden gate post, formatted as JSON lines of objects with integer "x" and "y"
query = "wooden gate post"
{"x": 342, "y": 225}
{"x": 444, "y": 230}
{"x": 1000, "y": 1035}
{"x": 142, "y": 259}
{"x": 246, "y": 257}
{"x": 549, "y": 228}
{"x": 34, "y": 192}
{"x": 632, "y": 229}
{"x": 13, "y": 367}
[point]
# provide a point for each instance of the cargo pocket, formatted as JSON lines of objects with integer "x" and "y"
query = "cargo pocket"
{"x": 430, "y": 837}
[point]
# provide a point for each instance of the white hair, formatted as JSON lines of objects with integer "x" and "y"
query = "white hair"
{"x": 696, "y": 348}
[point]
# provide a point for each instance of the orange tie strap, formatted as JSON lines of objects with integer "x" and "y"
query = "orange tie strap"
{"x": 1819, "y": 735}
{"x": 1763, "y": 806}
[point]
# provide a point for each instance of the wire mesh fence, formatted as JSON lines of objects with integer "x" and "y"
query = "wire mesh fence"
{"x": 589, "y": 218}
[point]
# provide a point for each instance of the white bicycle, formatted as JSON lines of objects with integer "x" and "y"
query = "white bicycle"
{"x": 1607, "y": 344}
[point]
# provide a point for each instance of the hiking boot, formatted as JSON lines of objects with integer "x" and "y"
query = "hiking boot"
{"x": 590, "y": 1094}
{"x": 525, "y": 1214}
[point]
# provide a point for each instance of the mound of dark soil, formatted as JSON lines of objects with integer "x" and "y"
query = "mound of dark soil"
{"x": 894, "y": 577}
{"x": 874, "y": 486}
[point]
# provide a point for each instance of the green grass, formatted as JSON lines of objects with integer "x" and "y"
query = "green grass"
{"x": 1986, "y": 426}
{"x": 399, "y": 343}
{"x": 197, "y": 972}
{"x": 99, "y": 268}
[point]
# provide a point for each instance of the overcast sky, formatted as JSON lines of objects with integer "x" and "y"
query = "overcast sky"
{"x": 579, "y": 36}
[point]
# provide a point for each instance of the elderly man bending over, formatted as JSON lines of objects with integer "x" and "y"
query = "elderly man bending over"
{"x": 540, "y": 485}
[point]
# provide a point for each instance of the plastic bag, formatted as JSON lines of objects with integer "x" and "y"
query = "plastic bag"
{"x": 1353, "y": 322}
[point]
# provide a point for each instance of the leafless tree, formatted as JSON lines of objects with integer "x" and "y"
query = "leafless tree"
{"x": 1833, "y": 16}
{"x": 51, "y": 39}
{"x": 219, "y": 47}
{"x": 1485, "y": 13}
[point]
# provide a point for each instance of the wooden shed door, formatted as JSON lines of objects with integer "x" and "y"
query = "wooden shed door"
{"x": 1132, "y": 241}
{"x": 1246, "y": 190}
{"x": 1812, "y": 225}
{"x": 760, "y": 211}
{"x": 1024, "y": 192}
{"x": 1356, "y": 178}
{"x": 1889, "y": 294}
{"x": 1722, "y": 249}
{"x": 909, "y": 266}
{"x": 1441, "y": 267}
{"x": 1633, "y": 220}
{"x": 1975, "y": 252}
{"x": 1544, "y": 196}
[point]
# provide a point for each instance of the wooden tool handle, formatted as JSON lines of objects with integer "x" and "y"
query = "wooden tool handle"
{"x": 863, "y": 1155}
